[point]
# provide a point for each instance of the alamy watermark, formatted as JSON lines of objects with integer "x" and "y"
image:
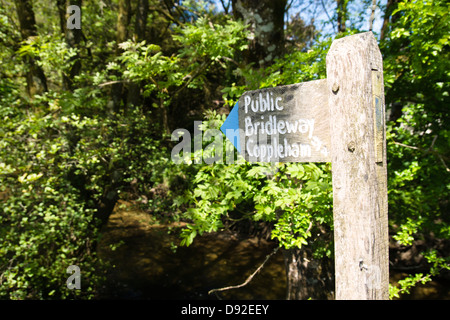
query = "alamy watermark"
{"x": 74, "y": 19}
{"x": 212, "y": 153}
{"x": 74, "y": 281}
{"x": 264, "y": 147}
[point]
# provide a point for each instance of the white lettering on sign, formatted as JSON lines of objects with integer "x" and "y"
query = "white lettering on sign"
{"x": 277, "y": 150}
{"x": 273, "y": 126}
{"x": 262, "y": 104}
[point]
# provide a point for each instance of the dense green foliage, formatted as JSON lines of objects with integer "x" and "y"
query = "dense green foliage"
{"x": 417, "y": 79}
{"x": 293, "y": 197}
{"x": 69, "y": 153}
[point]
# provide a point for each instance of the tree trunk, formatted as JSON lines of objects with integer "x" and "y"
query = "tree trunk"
{"x": 341, "y": 15}
{"x": 36, "y": 80}
{"x": 133, "y": 94}
{"x": 266, "y": 20}
{"x": 73, "y": 38}
{"x": 307, "y": 278}
{"x": 395, "y": 109}
{"x": 123, "y": 22}
{"x": 141, "y": 19}
{"x": 390, "y": 6}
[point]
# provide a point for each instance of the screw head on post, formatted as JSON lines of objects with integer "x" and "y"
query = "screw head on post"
{"x": 351, "y": 146}
{"x": 335, "y": 88}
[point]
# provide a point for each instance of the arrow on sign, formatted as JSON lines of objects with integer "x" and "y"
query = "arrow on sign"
{"x": 231, "y": 127}
{"x": 282, "y": 124}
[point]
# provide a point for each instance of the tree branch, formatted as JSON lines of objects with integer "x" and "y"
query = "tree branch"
{"x": 326, "y": 11}
{"x": 429, "y": 150}
{"x": 191, "y": 76}
{"x": 225, "y": 7}
{"x": 167, "y": 15}
{"x": 249, "y": 278}
{"x": 372, "y": 15}
{"x": 111, "y": 82}
{"x": 406, "y": 146}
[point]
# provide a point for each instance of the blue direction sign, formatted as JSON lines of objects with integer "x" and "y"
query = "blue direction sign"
{"x": 231, "y": 125}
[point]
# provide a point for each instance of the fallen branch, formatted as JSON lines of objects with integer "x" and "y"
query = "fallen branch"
{"x": 429, "y": 150}
{"x": 111, "y": 82}
{"x": 249, "y": 278}
{"x": 406, "y": 146}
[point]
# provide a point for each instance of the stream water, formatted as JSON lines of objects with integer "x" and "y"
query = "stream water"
{"x": 145, "y": 264}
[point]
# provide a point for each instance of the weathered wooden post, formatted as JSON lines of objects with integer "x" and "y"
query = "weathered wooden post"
{"x": 358, "y": 157}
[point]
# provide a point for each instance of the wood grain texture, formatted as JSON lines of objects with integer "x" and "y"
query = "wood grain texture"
{"x": 359, "y": 170}
{"x": 303, "y": 105}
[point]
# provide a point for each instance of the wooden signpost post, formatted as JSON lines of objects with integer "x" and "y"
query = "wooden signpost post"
{"x": 339, "y": 120}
